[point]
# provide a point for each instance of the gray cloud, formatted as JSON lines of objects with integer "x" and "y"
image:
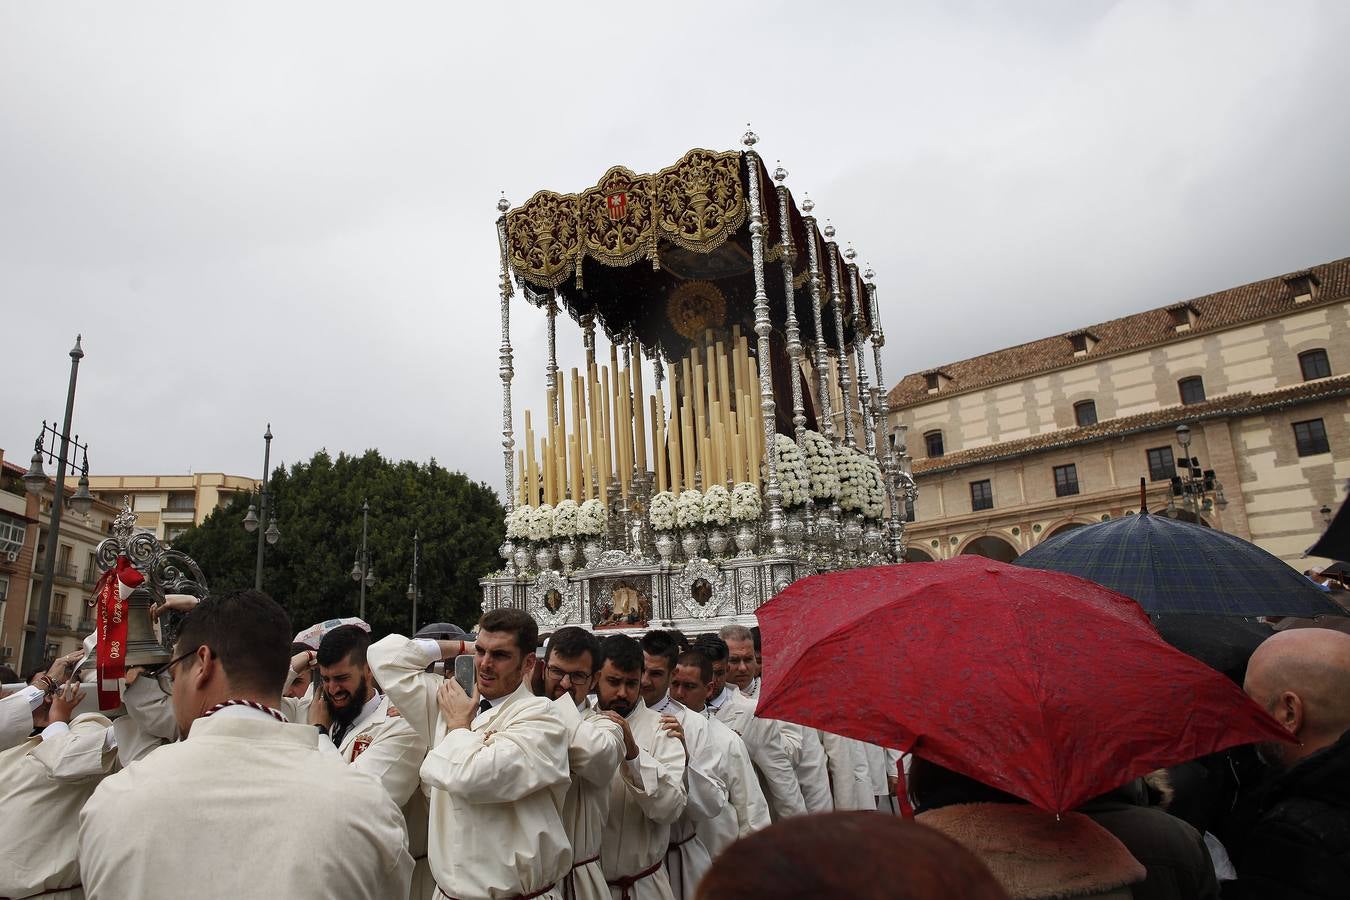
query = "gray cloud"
{"x": 284, "y": 211}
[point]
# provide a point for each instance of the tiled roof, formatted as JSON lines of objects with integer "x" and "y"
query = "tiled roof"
{"x": 1243, "y": 402}
{"x": 1214, "y": 312}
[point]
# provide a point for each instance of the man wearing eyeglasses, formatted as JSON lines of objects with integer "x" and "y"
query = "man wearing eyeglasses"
{"x": 594, "y": 752}
{"x": 231, "y": 793}
{"x": 763, "y": 737}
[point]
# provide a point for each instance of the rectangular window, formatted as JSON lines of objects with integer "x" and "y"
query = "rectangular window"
{"x": 933, "y": 443}
{"x": 1085, "y": 412}
{"x": 1161, "y": 465}
{"x": 181, "y": 501}
{"x": 981, "y": 495}
{"x": 1066, "y": 480}
{"x": 1311, "y": 437}
{"x": 1192, "y": 390}
{"x": 11, "y": 535}
{"x": 1314, "y": 364}
{"x": 4, "y": 588}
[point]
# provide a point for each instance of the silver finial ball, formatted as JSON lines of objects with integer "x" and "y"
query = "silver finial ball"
{"x": 829, "y": 231}
{"x": 808, "y": 204}
{"x": 749, "y": 139}
{"x": 503, "y": 204}
{"x": 780, "y": 174}
{"x": 869, "y": 274}
{"x": 850, "y": 253}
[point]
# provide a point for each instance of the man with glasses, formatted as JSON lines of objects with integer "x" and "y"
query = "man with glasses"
{"x": 802, "y": 743}
{"x": 594, "y": 752}
{"x": 231, "y": 793}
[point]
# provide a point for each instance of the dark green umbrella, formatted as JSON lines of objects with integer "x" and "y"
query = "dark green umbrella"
{"x": 1172, "y": 567}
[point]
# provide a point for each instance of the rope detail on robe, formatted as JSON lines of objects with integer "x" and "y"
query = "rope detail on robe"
{"x": 539, "y": 893}
{"x": 569, "y": 880}
{"x": 625, "y": 884}
{"x": 250, "y": 704}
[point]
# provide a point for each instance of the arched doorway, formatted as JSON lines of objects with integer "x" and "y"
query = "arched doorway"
{"x": 914, "y": 554}
{"x": 1067, "y": 526}
{"x": 992, "y": 548}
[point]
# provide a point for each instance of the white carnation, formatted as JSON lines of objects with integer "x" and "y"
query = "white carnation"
{"x": 793, "y": 478}
{"x": 689, "y": 509}
{"x": 541, "y": 523}
{"x": 820, "y": 464}
{"x": 746, "y": 505}
{"x": 716, "y": 506}
{"x": 518, "y": 523}
{"x": 661, "y": 511}
{"x": 565, "y": 519}
{"x": 592, "y": 518}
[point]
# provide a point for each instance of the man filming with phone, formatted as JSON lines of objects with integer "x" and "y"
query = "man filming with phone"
{"x": 497, "y": 771}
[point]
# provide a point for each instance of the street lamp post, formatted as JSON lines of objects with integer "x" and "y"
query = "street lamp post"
{"x": 1194, "y": 485}
{"x": 415, "y": 585}
{"x": 35, "y": 480}
{"x": 256, "y": 517}
{"x": 361, "y": 571}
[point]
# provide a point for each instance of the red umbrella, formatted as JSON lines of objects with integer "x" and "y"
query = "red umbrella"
{"x": 1038, "y": 683}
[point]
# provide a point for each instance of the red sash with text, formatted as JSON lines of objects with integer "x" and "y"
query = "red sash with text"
{"x": 110, "y": 595}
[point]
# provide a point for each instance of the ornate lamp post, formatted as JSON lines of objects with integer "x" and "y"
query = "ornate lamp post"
{"x": 362, "y": 574}
{"x": 271, "y": 534}
{"x": 1193, "y": 485}
{"x": 414, "y": 584}
{"x": 35, "y": 480}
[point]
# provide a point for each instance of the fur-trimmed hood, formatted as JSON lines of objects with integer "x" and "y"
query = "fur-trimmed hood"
{"x": 1036, "y": 856}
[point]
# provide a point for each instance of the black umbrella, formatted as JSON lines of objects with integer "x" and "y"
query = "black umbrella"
{"x": 1175, "y": 567}
{"x": 1335, "y": 541}
{"x": 1224, "y": 643}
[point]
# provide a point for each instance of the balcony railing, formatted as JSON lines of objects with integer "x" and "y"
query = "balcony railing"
{"x": 54, "y": 620}
{"x": 67, "y": 571}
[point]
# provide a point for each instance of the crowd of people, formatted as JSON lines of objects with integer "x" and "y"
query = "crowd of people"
{"x": 256, "y": 764}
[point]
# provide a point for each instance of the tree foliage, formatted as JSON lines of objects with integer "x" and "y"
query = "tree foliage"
{"x": 318, "y": 507}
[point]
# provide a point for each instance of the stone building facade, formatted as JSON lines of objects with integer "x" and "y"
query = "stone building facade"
{"x": 1014, "y": 446}
{"x": 168, "y": 505}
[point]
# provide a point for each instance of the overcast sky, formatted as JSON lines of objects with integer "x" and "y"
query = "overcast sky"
{"x": 284, "y": 211}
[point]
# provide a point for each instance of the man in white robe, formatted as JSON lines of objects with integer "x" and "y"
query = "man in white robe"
{"x": 687, "y": 858}
{"x": 371, "y": 736}
{"x": 647, "y": 794}
{"x": 233, "y": 792}
{"x": 497, "y": 771}
{"x": 746, "y": 810}
{"x": 802, "y": 743}
{"x": 850, "y": 776}
{"x": 762, "y": 737}
{"x": 44, "y": 782}
{"x": 25, "y": 710}
{"x": 595, "y": 751}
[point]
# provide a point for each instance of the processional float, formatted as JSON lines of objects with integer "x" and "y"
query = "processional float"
{"x": 763, "y": 453}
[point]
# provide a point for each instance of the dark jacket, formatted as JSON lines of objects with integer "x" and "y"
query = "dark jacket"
{"x": 1174, "y": 853}
{"x": 1298, "y": 845}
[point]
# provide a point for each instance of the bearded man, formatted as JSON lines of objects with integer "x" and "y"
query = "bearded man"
{"x": 647, "y": 793}
{"x": 595, "y": 751}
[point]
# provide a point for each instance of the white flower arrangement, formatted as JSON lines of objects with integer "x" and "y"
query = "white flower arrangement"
{"x": 819, "y": 455}
{"x": 518, "y": 523}
{"x": 875, "y": 504}
{"x": 565, "y": 519}
{"x": 716, "y": 506}
{"x": 689, "y": 509}
{"x": 862, "y": 489}
{"x": 541, "y": 523}
{"x": 746, "y": 505}
{"x": 793, "y": 478}
{"x": 661, "y": 511}
{"x": 592, "y": 518}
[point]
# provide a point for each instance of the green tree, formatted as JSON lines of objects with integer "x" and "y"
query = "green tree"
{"x": 318, "y": 506}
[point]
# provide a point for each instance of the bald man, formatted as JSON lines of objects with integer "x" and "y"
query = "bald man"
{"x": 1298, "y": 845}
